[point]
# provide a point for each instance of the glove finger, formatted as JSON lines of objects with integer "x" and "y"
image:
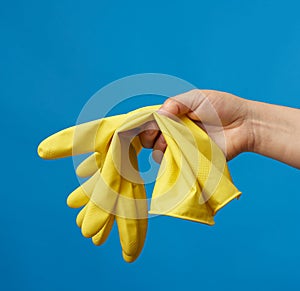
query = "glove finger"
{"x": 64, "y": 143}
{"x": 132, "y": 220}
{"x": 132, "y": 236}
{"x": 94, "y": 220}
{"x": 93, "y": 136}
{"x": 101, "y": 205}
{"x": 81, "y": 195}
{"x": 90, "y": 165}
{"x": 80, "y": 216}
{"x": 103, "y": 234}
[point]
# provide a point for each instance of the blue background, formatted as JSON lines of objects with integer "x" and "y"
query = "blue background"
{"x": 55, "y": 54}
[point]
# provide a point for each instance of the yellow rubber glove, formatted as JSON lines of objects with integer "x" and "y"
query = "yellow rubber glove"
{"x": 95, "y": 221}
{"x": 193, "y": 181}
{"x": 80, "y": 197}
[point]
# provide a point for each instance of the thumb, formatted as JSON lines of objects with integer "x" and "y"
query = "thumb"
{"x": 172, "y": 106}
{"x": 181, "y": 104}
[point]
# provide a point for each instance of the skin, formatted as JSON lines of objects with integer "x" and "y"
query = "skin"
{"x": 236, "y": 125}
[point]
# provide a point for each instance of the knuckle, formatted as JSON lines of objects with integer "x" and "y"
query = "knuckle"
{"x": 146, "y": 142}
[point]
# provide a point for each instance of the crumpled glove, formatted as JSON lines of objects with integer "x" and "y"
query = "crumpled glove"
{"x": 193, "y": 180}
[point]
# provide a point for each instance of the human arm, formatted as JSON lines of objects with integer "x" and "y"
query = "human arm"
{"x": 237, "y": 125}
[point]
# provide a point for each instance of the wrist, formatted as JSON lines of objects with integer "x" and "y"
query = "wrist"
{"x": 274, "y": 131}
{"x": 253, "y": 126}
{"x": 249, "y": 130}
{"x": 262, "y": 124}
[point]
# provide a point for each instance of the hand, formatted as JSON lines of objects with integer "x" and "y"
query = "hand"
{"x": 223, "y": 116}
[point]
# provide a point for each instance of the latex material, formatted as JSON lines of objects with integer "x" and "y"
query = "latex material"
{"x": 193, "y": 181}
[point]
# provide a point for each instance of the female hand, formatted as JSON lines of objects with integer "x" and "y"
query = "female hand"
{"x": 235, "y": 124}
{"x": 222, "y": 115}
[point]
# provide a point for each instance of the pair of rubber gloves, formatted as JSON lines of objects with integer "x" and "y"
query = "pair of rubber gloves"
{"x": 193, "y": 180}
